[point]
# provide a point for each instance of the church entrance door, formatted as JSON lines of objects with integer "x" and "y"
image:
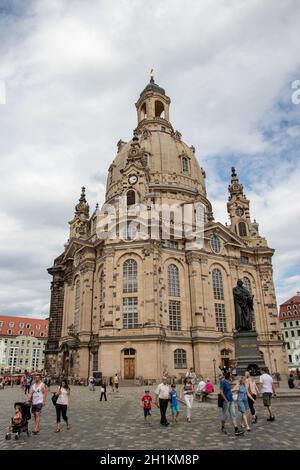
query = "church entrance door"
{"x": 129, "y": 367}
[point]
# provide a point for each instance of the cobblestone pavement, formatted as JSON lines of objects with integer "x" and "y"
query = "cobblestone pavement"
{"x": 119, "y": 424}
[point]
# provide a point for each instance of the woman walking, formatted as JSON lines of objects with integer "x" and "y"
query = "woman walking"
{"x": 62, "y": 404}
{"x": 188, "y": 396}
{"x": 242, "y": 401}
{"x": 253, "y": 390}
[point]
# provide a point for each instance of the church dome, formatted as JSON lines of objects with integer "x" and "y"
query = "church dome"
{"x": 170, "y": 163}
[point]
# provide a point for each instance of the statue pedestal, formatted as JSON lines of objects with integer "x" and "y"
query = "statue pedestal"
{"x": 246, "y": 351}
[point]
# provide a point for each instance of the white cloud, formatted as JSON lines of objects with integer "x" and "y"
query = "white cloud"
{"x": 73, "y": 71}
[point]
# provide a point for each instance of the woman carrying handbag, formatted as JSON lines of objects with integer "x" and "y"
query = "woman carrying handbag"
{"x": 63, "y": 401}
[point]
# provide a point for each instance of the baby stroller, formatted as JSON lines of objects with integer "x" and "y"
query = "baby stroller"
{"x": 17, "y": 429}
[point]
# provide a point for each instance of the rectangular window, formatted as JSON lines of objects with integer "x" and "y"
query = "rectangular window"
{"x": 130, "y": 314}
{"x": 290, "y": 358}
{"x": 293, "y": 333}
{"x": 288, "y": 345}
{"x": 286, "y": 334}
{"x": 220, "y": 317}
{"x": 95, "y": 361}
{"x": 174, "y": 315}
{"x": 298, "y": 331}
{"x": 170, "y": 244}
{"x": 180, "y": 359}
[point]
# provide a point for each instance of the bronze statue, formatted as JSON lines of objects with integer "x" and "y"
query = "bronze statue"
{"x": 243, "y": 304}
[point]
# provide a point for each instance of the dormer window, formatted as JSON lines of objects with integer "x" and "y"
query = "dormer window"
{"x": 185, "y": 165}
{"x": 130, "y": 197}
{"x": 242, "y": 229}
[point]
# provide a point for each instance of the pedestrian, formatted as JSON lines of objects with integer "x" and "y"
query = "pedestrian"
{"x": 200, "y": 389}
{"x": 116, "y": 381}
{"x": 91, "y": 384}
{"x": 188, "y": 397}
{"x": 162, "y": 400}
{"x": 266, "y": 387}
{"x": 111, "y": 383}
{"x": 27, "y": 383}
{"x": 191, "y": 375}
{"x": 103, "y": 391}
{"x": 253, "y": 390}
{"x": 174, "y": 403}
{"x": 147, "y": 406}
{"x": 291, "y": 381}
{"x": 37, "y": 395}
{"x": 228, "y": 405}
{"x": 62, "y": 404}
{"x": 208, "y": 389}
{"x": 242, "y": 401}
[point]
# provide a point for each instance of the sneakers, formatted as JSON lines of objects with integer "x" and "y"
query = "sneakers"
{"x": 272, "y": 418}
{"x": 254, "y": 420}
{"x": 239, "y": 432}
{"x": 223, "y": 430}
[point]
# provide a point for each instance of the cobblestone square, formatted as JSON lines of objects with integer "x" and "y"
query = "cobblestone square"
{"x": 119, "y": 424}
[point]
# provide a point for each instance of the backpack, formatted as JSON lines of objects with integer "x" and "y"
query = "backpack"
{"x": 220, "y": 400}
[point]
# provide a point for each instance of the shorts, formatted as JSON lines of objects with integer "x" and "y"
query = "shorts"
{"x": 147, "y": 412}
{"x": 243, "y": 406}
{"x": 175, "y": 408}
{"x": 267, "y": 399}
{"x": 228, "y": 410}
{"x": 37, "y": 408}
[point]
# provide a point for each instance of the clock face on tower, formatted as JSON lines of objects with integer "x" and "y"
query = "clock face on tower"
{"x": 239, "y": 211}
{"x": 132, "y": 179}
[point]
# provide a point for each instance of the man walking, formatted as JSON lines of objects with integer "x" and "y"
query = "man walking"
{"x": 37, "y": 395}
{"x": 162, "y": 399}
{"x": 228, "y": 405}
{"x": 266, "y": 387}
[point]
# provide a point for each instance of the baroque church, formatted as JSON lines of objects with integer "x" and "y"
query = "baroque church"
{"x": 143, "y": 307}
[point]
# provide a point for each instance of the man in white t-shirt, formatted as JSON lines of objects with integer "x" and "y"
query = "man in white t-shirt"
{"x": 266, "y": 388}
{"x": 162, "y": 396}
{"x": 191, "y": 375}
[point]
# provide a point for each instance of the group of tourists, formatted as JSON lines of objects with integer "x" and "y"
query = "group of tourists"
{"x": 166, "y": 395}
{"x": 245, "y": 393}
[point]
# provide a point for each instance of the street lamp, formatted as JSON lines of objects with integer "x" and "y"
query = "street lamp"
{"x": 214, "y": 361}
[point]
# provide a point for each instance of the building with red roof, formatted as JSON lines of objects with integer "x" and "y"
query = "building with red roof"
{"x": 22, "y": 343}
{"x": 289, "y": 316}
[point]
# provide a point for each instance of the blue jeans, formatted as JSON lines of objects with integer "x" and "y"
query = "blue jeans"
{"x": 228, "y": 409}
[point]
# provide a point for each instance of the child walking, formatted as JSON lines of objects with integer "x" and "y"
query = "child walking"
{"x": 174, "y": 403}
{"x": 147, "y": 405}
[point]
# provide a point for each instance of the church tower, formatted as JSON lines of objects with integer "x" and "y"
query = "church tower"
{"x": 144, "y": 303}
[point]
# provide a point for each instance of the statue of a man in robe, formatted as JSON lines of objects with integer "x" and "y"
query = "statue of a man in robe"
{"x": 243, "y": 304}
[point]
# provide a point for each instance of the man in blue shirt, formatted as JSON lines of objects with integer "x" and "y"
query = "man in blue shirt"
{"x": 228, "y": 405}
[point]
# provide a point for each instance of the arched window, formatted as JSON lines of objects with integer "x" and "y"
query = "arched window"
{"x": 129, "y": 352}
{"x": 143, "y": 111}
{"x": 130, "y": 276}
{"x": 130, "y": 197}
{"x": 159, "y": 109}
{"x": 173, "y": 281}
{"x": 218, "y": 288}
{"x": 77, "y": 305}
{"x": 242, "y": 229}
{"x": 215, "y": 244}
{"x": 185, "y": 165}
{"x": 180, "y": 359}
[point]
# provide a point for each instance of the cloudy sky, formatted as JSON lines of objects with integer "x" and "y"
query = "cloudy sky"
{"x": 72, "y": 71}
